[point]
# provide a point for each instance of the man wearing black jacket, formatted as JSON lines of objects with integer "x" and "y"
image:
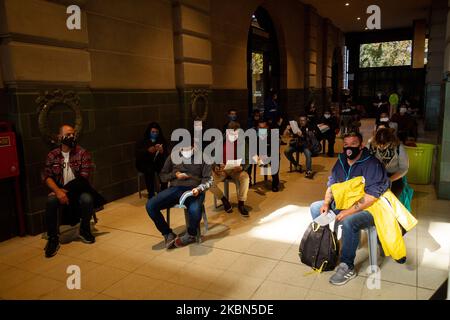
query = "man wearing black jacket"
{"x": 329, "y": 133}
{"x": 305, "y": 141}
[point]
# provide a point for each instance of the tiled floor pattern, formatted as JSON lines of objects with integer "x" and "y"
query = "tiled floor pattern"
{"x": 254, "y": 258}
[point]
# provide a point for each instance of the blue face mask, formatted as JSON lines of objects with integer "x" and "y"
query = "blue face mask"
{"x": 232, "y": 118}
{"x": 262, "y": 132}
{"x": 153, "y": 136}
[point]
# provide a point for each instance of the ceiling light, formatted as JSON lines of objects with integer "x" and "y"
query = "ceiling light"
{"x": 358, "y": 18}
{"x": 347, "y": 4}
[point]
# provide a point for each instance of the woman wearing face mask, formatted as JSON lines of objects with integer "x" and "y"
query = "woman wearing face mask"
{"x": 387, "y": 148}
{"x": 151, "y": 152}
{"x": 385, "y": 122}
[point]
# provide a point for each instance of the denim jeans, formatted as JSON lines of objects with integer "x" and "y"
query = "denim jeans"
{"x": 51, "y": 212}
{"x": 167, "y": 199}
{"x": 351, "y": 227}
{"x": 289, "y": 151}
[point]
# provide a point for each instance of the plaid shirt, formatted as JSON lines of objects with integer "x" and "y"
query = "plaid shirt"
{"x": 79, "y": 161}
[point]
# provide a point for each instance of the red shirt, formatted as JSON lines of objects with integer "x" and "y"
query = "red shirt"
{"x": 79, "y": 160}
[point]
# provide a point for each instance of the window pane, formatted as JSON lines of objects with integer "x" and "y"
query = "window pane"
{"x": 385, "y": 54}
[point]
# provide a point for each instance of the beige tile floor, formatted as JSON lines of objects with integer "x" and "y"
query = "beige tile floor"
{"x": 255, "y": 258}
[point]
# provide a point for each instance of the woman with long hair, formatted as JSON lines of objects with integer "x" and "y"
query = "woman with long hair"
{"x": 386, "y": 146}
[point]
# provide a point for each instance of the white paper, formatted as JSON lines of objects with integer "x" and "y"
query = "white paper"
{"x": 231, "y": 164}
{"x": 294, "y": 126}
{"x": 323, "y": 127}
{"x": 325, "y": 219}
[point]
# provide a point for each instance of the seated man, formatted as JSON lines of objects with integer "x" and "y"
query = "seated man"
{"x": 304, "y": 141}
{"x": 182, "y": 177}
{"x": 356, "y": 161}
{"x": 330, "y": 133}
{"x": 262, "y": 156}
{"x": 66, "y": 166}
{"x": 238, "y": 174}
{"x": 385, "y": 122}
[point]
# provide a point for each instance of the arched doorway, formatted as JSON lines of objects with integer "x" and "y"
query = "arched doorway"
{"x": 263, "y": 60}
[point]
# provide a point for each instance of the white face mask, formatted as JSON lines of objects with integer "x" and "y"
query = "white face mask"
{"x": 186, "y": 153}
{"x": 327, "y": 116}
{"x": 233, "y": 137}
{"x": 384, "y": 119}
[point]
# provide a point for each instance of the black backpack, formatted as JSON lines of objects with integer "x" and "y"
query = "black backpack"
{"x": 319, "y": 248}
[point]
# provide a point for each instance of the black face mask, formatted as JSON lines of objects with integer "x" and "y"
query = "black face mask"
{"x": 69, "y": 141}
{"x": 352, "y": 152}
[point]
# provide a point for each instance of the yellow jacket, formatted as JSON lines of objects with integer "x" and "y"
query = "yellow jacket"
{"x": 386, "y": 212}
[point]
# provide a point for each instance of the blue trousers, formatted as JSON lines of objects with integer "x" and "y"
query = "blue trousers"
{"x": 351, "y": 227}
{"x": 167, "y": 199}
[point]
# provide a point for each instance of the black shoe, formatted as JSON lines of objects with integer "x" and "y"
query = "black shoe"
{"x": 242, "y": 209}
{"x": 52, "y": 247}
{"x": 275, "y": 189}
{"x": 169, "y": 239}
{"x": 86, "y": 235}
{"x": 309, "y": 174}
{"x": 227, "y": 205}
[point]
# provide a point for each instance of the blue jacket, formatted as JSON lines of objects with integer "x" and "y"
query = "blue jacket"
{"x": 369, "y": 167}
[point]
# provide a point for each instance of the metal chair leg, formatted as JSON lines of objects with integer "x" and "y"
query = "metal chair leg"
{"x": 373, "y": 245}
{"x": 139, "y": 185}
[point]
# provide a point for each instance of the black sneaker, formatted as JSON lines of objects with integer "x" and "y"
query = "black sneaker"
{"x": 309, "y": 174}
{"x": 227, "y": 205}
{"x": 52, "y": 247}
{"x": 243, "y": 210}
{"x": 86, "y": 236}
{"x": 275, "y": 189}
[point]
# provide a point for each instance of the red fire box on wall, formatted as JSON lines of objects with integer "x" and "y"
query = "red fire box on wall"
{"x": 9, "y": 164}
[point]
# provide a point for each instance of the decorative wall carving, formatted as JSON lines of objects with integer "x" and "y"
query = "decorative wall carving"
{"x": 55, "y": 99}
{"x": 199, "y": 104}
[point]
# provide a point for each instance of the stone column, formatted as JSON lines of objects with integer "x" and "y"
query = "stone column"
{"x": 443, "y": 163}
{"x": 435, "y": 66}
{"x": 418, "y": 51}
{"x": 192, "y": 46}
{"x": 311, "y": 60}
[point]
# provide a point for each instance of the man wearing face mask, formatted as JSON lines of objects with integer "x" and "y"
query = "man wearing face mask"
{"x": 262, "y": 156}
{"x": 407, "y": 125}
{"x": 385, "y": 122}
{"x": 182, "y": 177}
{"x": 231, "y": 145}
{"x": 306, "y": 142}
{"x": 381, "y": 105}
{"x": 151, "y": 153}
{"x": 329, "y": 134}
{"x": 66, "y": 174}
{"x": 355, "y": 161}
{"x": 232, "y": 116}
